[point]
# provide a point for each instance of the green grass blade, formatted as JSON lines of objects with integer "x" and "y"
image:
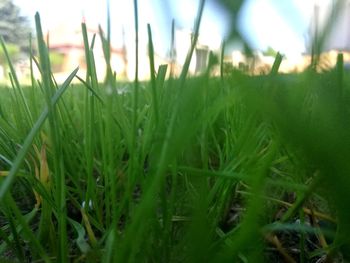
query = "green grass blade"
{"x": 276, "y": 64}
{"x": 16, "y": 84}
{"x": 152, "y": 73}
{"x": 194, "y": 40}
{"x": 172, "y": 49}
{"x": 160, "y": 81}
{"x": 222, "y": 56}
{"x": 54, "y": 134}
{"x": 6, "y": 184}
{"x": 89, "y": 117}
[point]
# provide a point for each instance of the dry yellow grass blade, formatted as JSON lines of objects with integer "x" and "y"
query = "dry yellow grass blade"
{"x": 44, "y": 167}
{"x": 273, "y": 239}
{"x": 37, "y": 196}
{"x": 88, "y": 228}
{"x": 42, "y": 173}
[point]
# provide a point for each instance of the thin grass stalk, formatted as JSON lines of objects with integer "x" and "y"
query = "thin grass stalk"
{"x": 17, "y": 85}
{"x": 222, "y": 57}
{"x": 17, "y": 109}
{"x": 160, "y": 81}
{"x": 136, "y": 86}
{"x": 276, "y": 64}
{"x": 134, "y": 131}
{"x": 32, "y": 78}
{"x": 89, "y": 120}
{"x": 60, "y": 193}
{"x": 153, "y": 74}
{"x": 109, "y": 68}
{"x": 111, "y": 195}
{"x": 172, "y": 49}
{"x": 90, "y": 133}
{"x": 87, "y": 56}
{"x": 109, "y": 158}
{"x": 107, "y": 55}
{"x": 339, "y": 78}
{"x": 194, "y": 40}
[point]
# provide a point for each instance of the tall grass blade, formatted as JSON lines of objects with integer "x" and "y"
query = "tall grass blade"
{"x": 56, "y": 142}
{"x": 17, "y": 85}
{"x": 222, "y": 56}
{"x": 172, "y": 50}
{"x": 152, "y": 73}
{"x": 89, "y": 118}
{"x": 276, "y": 64}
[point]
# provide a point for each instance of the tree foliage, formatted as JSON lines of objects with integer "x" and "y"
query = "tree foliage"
{"x": 14, "y": 27}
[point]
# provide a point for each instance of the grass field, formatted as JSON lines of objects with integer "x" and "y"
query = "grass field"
{"x": 205, "y": 169}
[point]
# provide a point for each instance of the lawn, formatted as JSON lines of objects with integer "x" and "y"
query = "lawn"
{"x": 189, "y": 169}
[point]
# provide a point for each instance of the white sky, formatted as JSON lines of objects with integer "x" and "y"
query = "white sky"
{"x": 57, "y": 12}
{"x": 281, "y": 24}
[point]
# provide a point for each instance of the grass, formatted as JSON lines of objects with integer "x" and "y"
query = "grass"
{"x": 188, "y": 169}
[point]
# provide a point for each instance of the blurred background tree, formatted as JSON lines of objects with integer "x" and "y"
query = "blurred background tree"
{"x": 14, "y": 28}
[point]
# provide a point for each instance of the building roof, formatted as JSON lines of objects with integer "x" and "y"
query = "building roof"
{"x": 64, "y": 39}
